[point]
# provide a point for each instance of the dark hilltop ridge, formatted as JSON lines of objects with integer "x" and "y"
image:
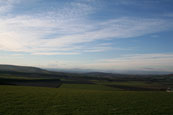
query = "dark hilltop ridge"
{"x": 26, "y": 69}
{"x": 29, "y": 71}
{"x": 45, "y": 73}
{"x": 37, "y": 70}
{"x": 33, "y": 76}
{"x": 27, "y": 76}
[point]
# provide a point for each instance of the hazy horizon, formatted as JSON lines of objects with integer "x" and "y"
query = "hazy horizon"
{"x": 121, "y": 35}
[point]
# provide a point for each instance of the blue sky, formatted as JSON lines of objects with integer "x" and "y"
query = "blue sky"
{"x": 116, "y": 35}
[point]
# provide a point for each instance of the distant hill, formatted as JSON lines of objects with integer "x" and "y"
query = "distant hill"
{"x": 38, "y": 72}
{"x": 24, "y": 69}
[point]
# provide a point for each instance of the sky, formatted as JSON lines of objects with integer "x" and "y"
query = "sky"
{"x": 109, "y": 35}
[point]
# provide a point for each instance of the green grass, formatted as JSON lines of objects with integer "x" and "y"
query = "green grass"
{"x": 6, "y": 76}
{"x": 70, "y": 100}
{"x": 88, "y": 87}
{"x": 13, "y": 77}
{"x": 132, "y": 83}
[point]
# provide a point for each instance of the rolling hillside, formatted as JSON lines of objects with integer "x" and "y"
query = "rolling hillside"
{"x": 25, "y": 69}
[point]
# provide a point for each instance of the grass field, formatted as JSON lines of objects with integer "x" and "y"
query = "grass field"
{"x": 77, "y": 99}
{"x": 134, "y": 85}
{"x": 88, "y": 87}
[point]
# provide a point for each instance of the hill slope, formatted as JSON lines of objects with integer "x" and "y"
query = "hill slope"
{"x": 25, "y": 69}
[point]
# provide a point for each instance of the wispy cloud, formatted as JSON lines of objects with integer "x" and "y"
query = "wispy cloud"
{"x": 50, "y": 33}
{"x": 7, "y": 5}
{"x": 56, "y": 53}
{"x": 162, "y": 62}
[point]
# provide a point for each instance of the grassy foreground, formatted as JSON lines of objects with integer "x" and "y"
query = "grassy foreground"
{"x": 66, "y": 100}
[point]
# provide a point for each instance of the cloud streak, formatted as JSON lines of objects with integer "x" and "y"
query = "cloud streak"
{"x": 159, "y": 62}
{"x": 68, "y": 29}
{"x": 7, "y": 5}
